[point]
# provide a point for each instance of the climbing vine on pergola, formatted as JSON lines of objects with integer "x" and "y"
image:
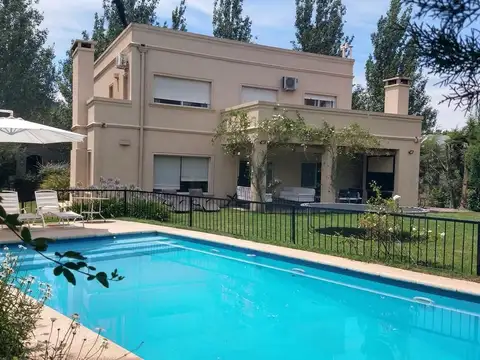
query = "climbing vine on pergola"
{"x": 239, "y": 134}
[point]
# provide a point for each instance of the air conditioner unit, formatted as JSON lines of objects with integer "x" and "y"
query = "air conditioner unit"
{"x": 121, "y": 61}
{"x": 289, "y": 83}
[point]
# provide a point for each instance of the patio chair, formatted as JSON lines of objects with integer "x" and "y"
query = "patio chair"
{"x": 47, "y": 203}
{"x": 11, "y": 206}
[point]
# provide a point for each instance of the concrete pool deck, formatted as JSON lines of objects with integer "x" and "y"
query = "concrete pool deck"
{"x": 119, "y": 227}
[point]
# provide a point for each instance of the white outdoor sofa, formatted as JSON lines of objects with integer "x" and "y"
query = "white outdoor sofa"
{"x": 245, "y": 193}
{"x": 297, "y": 194}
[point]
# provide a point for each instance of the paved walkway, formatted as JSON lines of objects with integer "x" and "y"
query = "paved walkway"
{"x": 116, "y": 227}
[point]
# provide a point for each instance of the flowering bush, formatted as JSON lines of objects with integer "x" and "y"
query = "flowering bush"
{"x": 19, "y": 312}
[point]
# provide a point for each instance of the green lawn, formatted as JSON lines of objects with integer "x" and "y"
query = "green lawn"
{"x": 433, "y": 244}
{"x": 440, "y": 243}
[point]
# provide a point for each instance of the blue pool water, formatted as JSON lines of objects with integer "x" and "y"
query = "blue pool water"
{"x": 191, "y": 300}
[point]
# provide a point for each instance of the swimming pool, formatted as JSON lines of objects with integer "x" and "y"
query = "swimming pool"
{"x": 189, "y": 299}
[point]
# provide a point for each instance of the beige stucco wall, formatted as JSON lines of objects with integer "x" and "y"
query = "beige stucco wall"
{"x": 115, "y": 126}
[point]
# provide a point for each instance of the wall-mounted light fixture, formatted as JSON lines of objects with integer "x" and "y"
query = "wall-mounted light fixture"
{"x": 411, "y": 152}
{"x": 263, "y": 142}
{"x": 104, "y": 125}
{"x": 416, "y": 140}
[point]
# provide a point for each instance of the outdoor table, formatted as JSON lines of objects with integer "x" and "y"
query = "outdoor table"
{"x": 90, "y": 206}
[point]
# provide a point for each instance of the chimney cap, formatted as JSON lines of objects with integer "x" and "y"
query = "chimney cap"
{"x": 397, "y": 80}
{"x": 84, "y": 44}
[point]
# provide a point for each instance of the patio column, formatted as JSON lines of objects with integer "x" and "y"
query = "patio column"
{"x": 258, "y": 171}
{"x": 407, "y": 167}
{"x": 327, "y": 193}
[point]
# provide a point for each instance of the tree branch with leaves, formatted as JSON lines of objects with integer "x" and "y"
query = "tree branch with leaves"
{"x": 449, "y": 46}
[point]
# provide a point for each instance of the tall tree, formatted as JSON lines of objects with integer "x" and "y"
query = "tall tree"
{"x": 228, "y": 21}
{"x": 394, "y": 53}
{"x": 117, "y": 14}
{"x": 110, "y": 24}
{"x": 319, "y": 26}
{"x": 450, "y": 46}
{"x": 27, "y": 72}
{"x": 179, "y": 22}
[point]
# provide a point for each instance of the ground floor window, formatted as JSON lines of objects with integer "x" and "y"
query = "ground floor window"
{"x": 181, "y": 173}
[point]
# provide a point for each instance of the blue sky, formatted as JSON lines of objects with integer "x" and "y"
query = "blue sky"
{"x": 273, "y": 24}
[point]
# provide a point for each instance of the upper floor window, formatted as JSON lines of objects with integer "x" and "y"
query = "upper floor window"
{"x": 257, "y": 94}
{"x": 320, "y": 101}
{"x": 183, "y": 92}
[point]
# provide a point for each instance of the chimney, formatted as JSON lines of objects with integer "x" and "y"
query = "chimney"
{"x": 82, "y": 90}
{"x": 396, "y": 95}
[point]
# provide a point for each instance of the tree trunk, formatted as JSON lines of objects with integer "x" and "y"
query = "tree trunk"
{"x": 464, "y": 198}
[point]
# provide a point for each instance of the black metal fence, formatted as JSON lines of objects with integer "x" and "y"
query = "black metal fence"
{"x": 439, "y": 243}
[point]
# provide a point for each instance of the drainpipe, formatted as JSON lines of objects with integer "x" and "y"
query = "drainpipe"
{"x": 143, "y": 54}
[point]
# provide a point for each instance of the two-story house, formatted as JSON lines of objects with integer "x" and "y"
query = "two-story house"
{"x": 150, "y": 103}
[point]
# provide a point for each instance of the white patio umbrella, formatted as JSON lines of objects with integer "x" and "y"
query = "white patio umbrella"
{"x": 18, "y": 130}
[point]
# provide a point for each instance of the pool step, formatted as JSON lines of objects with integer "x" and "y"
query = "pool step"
{"x": 120, "y": 251}
{"x": 93, "y": 248}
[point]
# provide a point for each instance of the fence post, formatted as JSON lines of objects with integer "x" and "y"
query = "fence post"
{"x": 478, "y": 249}
{"x": 292, "y": 227}
{"x": 125, "y": 202}
{"x": 190, "y": 214}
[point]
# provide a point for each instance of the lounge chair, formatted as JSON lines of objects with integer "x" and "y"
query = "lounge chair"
{"x": 202, "y": 202}
{"x": 11, "y": 206}
{"x": 181, "y": 205}
{"x": 47, "y": 203}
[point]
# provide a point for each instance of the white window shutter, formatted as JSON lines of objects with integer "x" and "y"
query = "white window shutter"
{"x": 167, "y": 172}
{"x": 256, "y": 94}
{"x": 182, "y": 90}
{"x": 194, "y": 169}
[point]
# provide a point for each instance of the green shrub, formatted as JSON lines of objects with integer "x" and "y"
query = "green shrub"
{"x": 473, "y": 200}
{"x": 19, "y": 312}
{"x": 54, "y": 176}
{"x": 138, "y": 207}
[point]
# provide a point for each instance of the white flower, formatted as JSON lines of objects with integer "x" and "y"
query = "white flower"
{"x": 429, "y": 231}
{"x": 5, "y": 248}
{"x": 391, "y": 229}
{"x": 442, "y": 234}
{"x": 414, "y": 229}
{"x": 396, "y": 197}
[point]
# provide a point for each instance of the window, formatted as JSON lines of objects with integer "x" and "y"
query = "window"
{"x": 256, "y": 94}
{"x": 320, "y": 101}
{"x": 183, "y": 92}
{"x": 110, "y": 91}
{"x": 181, "y": 173}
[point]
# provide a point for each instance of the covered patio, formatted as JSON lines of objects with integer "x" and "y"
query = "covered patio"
{"x": 393, "y": 164}
{"x": 301, "y": 172}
